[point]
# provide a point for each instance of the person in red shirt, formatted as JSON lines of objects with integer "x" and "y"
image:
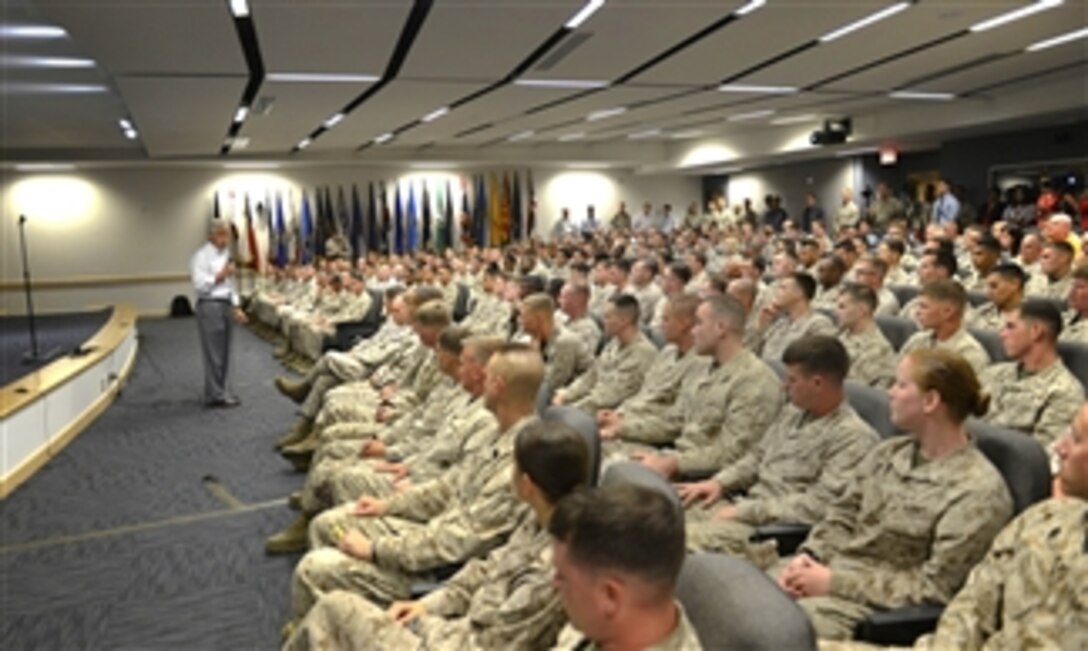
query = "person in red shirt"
{"x": 1046, "y": 203}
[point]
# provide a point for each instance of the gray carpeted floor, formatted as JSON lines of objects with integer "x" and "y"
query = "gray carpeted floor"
{"x": 118, "y": 543}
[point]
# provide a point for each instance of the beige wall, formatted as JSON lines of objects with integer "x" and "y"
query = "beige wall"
{"x": 140, "y": 222}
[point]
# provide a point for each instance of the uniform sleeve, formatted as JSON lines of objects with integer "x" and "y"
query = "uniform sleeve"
{"x": 623, "y": 381}
{"x": 975, "y": 614}
{"x": 811, "y": 504}
{"x": 838, "y": 525}
{"x": 452, "y": 599}
{"x": 744, "y": 472}
{"x": 530, "y": 617}
{"x": 652, "y": 425}
{"x": 1057, "y": 413}
{"x": 582, "y": 386}
{"x": 424, "y": 501}
{"x": 961, "y": 537}
{"x": 472, "y": 530}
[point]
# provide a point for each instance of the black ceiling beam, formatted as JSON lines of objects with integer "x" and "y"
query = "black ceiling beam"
{"x": 251, "y": 49}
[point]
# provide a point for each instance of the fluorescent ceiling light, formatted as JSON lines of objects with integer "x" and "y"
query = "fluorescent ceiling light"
{"x": 567, "y": 137}
{"x": 1023, "y": 12}
{"x": 241, "y": 113}
{"x": 887, "y": 12}
{"x": 1058, "y": 40}
{"x": 754, "y": 115}
{"x": 254, "y": 165}
{"x": 130, "y": 134}
{"x": 750, "y": 7}
{"x": 34, "y": 88}
{"x": 584, "y": 13}
{"x": 333, "y": 121}
{"x": 691, "y": 133}
{"x": 795, "y": 119}
{"x": 385, "y": 137}
{"x": 524, "y": 135}
{"x": 434, "y": 165}
{"x": 239, "y": 8}
{"x": 562, "y": 83}
{"x": 321, "y": 77}
{"x": 45, "y": 62}
{"x": 589, "y": 166}
{"x": 31, "y": 31}
{"x": 640, "y": 135}
{"x": 435, "y": 114}
{"x": 747, "y": 88}
{"x": 911, "y": 94}
{"x": 44, "y": 167}
{"x": 304, "y": 143}
{"x": 237, "y": 142}
{"x": 607, "y": 113}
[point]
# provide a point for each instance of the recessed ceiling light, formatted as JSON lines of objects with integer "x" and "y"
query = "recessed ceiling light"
{"x": 384, "y": 138}
{"x": 239, "y": 8}
{"x": 524, "y": 135}
{"x": 320, "y": 77}
{"x": 794, "y": 119}
{"x": 44, "y": 167}
{"x": 31, "y": 88}
{"x": 125, "y": 124}
{"x": 887, "y": 12}
{"x": 754, "y": 115}
{"x": 642, "y": 135}
{"x": 334, "y": 120}
{"x": 747, "y": 88}
{"x": 44, "y": 62}
{"x": 574, "y": 84}
{"x": 584, "y": 13}
{"x": 750, "y": 7}
{"x": 607, "y": 113}
{"x": 130, "y": 134}
{"x": 1058, "y": 40}
{"x": 241, "y": 113}
{"x": 568, "y": 137}
{"x": 910, "y": 94}
{"x": 435, "y": 114}
{"x": 304, "y": 143}
{"x": 31, "y": 31}
{"x": 1018, "y": 14}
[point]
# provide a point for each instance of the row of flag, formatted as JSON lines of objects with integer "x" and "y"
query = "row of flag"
{"x": 276, "y": 228}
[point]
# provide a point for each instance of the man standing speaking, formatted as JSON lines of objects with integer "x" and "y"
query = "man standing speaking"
{"x": 216, "y": 306}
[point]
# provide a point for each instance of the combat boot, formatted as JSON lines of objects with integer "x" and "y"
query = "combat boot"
{"x": 291, "y": 540}
{"x": 296, "y": 391}
{"x": 298, "y": 432}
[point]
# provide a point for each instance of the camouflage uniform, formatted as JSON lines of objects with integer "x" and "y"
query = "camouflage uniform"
{"x": 986, "y": 317}
{"x": 1041, "y": 404}
{"x": 505, "y": 601}
{"x": 615, "y": 376}
{"x": 648, "y": 297}
{"x": 827, "y": 299}
{"x": 461, "y": 514}
{"x": 683, "y": 638}
{"x": 598, "y": 297}
{"x": 887, "y": 304}
{"x": 642, "y": 413}
{"x": 719, "y": 414}
{"x": 1027, "y": 593}
{"x": 910, "y": 310}
{"x": 588, "y": 330}
{"x": 961, "y": 343}
{"x": 1076, "y": 329}
{"x": 899, "y": 276}
{"x": 352, "y": 307}
{"x": 1044, "y": 287}
{"x": 566, "y": 358}
{"x": 490, "y": 316}
{"x": 792, "y": 474}
{"x": 783, "y": 332}
{"x": 872, "y": 358}
{"x": 905, "y": 531}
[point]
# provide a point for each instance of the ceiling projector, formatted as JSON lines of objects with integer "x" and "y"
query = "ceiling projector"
{"x": 835, "y": 132}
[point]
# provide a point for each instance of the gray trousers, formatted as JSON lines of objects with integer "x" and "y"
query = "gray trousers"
{"x": 215, "y": 321}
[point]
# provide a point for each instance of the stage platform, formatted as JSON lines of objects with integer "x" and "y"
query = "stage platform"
{"x": 44, "y": 406}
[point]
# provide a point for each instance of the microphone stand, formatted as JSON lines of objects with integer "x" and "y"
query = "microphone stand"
{"x": 34, "y": 355}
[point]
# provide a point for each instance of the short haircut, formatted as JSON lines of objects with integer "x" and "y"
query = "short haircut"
{"x": 393, "y": 292}
{"x": 717, "y": 281}
{"x": 424, "y": 294}
{"x": 806, "y": 282}
{"x": 681, "y": 271}
{"x": 684, "y": 305}
{"x": 651, "y": 265}
{"x": 819, "y": 355}
{"x": 948, "y": 291}
{"x": 809, "y": 242}
{"x": 532, "y": 284}
{"x": 538, "y": 303}
{"x": 581, "y": 290}
{"x": 627, "y": 306}
{"x": 433, "y": 314}
{"x": 1044, "y": 312}
{"x": 878, "y": 265}
{"x": 452, "y": 339}
{"x": 522, "y": 368}
{"x": 554, "y": 456}
{"x": 728, "y": 309}
{"x": 1065, "y": 248}
{"x": 483, "y": 346}
{"x": 623, "y": 264}
{"x": 630, "y": 529}
{"x": 580, "y": 267}
{"x": 861, "y": 294}
{"x": 990, "y": 243}
{"x": 699, "y": 257}
{"x": 846, "y": 245}
{"x": 896, "y": 246}
{"x": 1080, "y": 272}
{"x": 945, "y": 260}
{"x": 837, "y": 264}
{"x": 1010, "y": 271}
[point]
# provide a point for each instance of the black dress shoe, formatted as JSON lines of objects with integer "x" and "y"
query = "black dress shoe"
{"x": 224, "y": 403}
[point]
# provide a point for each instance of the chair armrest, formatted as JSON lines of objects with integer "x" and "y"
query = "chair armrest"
{"x": 787, "y": 535}
{"x": 898, "y": 627}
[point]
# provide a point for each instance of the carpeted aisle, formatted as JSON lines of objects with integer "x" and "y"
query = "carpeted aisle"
{"x": 120, "y": 543}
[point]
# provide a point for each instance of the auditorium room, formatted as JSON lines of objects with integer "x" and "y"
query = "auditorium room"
{"x": 544, "y": 325}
